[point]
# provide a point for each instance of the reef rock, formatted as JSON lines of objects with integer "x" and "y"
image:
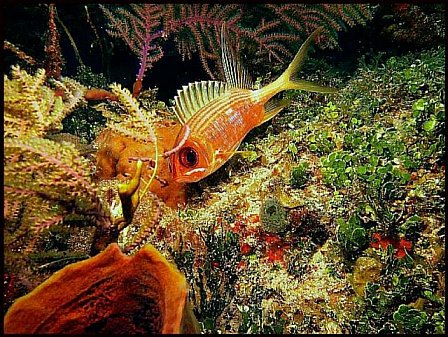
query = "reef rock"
{"x": 108, "y": 293}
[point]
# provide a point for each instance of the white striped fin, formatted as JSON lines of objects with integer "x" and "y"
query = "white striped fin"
{"x": 194, "y": 96}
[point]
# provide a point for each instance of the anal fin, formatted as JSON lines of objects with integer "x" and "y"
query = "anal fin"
{"x": 273, "y": 107}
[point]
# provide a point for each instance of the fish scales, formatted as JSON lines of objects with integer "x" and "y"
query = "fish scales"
{"x": 216, "y": 119}
{"x": 215, "y": 108}
{"x": 226, "y": 129}
{"x": 226, "y": 120}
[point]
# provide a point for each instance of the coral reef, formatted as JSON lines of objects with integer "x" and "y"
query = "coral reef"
{"x": 329, "y": 220}
{"x": 323, "y": 271}
{"x": 108, "y": 293}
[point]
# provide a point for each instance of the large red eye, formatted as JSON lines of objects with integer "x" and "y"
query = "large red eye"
{"x": 188, "y": 157}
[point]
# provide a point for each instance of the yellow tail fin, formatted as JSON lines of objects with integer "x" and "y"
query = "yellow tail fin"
{"x": 288, "y": 80}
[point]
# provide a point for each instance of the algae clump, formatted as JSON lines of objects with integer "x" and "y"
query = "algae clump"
{"x": 367, "y": 269}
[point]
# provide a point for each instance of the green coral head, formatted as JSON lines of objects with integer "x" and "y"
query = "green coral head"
{"x": 273, "y": 216}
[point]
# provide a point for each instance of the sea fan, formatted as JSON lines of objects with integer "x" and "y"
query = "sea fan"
{"x": 196, "y": 28}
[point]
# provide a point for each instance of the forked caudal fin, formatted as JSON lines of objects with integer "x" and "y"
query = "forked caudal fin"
{"x": 289, "y": 80}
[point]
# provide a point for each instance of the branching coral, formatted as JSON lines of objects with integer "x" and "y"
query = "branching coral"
{"x": 30, "y": 107}
{"x": 135, "y": 122}
{"x": 44, "y": 180}
{"x": 20, "y": 53}
{"x": 53, "y": 63}
{"x": 196, "y": 29}
{"x": 304, "y": 18}
{"x": 145, "y": 21}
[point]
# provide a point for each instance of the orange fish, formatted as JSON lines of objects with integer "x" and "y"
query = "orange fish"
{"x": 216, "y": 116}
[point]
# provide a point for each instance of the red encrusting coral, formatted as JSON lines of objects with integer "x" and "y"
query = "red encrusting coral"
{"x": 273, "y": 245}
{"x": 401, "y": 246}
{"x": 116, "y": 154}
{"x": 246, "y": 248}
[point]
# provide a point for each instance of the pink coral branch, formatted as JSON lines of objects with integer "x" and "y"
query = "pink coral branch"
{"x": 196, "y": 28}
{"x": 48, "y": 223}
{"x": 139, "y": 30}
{"x": 87, "y": 186}
{"x": 19, "y": 191}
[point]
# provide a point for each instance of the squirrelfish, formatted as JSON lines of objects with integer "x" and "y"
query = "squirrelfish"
{"x": 216, "y": 116}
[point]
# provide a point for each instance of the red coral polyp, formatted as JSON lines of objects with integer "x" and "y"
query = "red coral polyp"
{"x": 245, "y": 249}
{"x": 275, "y": 253}
{"x": 400, "y": 246}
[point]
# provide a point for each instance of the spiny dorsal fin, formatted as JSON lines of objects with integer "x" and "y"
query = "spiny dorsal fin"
{"x": 194, "y": 96}
{"x": 236, "y": 75}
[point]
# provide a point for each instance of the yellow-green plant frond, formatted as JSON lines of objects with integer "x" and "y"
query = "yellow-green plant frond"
{"x": 73, "y": 96}
{"x": 138, "y": 122}
{"x": 38, "y": 214}
{"x": 44, "y": 182}
{"x": 31, "y": 108}
{"x": 30, "y": 84}
{"x": 26, "y": 101}
{"x": 52, "y": 169}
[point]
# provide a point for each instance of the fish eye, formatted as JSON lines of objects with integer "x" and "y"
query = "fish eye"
{"x": 188, "y": 157}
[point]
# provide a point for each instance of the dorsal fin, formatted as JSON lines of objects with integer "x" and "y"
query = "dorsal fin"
{"x": 236, "y": 75}
{"x": 194, "y": 96}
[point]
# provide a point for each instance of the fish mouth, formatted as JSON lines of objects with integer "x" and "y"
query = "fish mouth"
{"x": 189, "y": 176}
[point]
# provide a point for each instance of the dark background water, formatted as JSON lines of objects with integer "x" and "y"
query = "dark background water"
{"x": 26, "y": 27}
